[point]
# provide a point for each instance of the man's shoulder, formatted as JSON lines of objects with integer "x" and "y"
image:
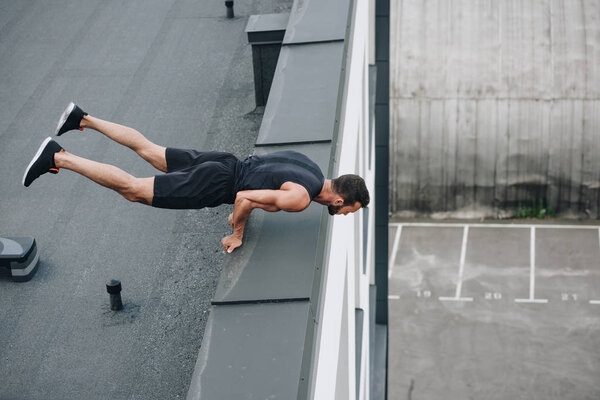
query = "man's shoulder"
{"x": 299, "y": 192}
{"x": 293, "y": 186}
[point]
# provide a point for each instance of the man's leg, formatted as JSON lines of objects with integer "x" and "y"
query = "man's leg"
{"x": 133, "y": 189}
{"x": 131, "y": 138}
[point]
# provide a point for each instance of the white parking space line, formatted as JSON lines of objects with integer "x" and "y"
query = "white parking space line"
{"x": 461, "y": 269}
{"x": 532, "y": 263}
{"x": 394, "y": 251}
{"x": 532, "y": 253}
{"x": 596, "y": 301}
{"x": 531, "y": 298}
{"x": 539, "y": 301}
{"x": 523, "y": 226}
{"x": 455, "y": 298}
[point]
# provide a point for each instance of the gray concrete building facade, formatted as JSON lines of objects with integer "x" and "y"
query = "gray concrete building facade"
{"x": 494, "y": 105}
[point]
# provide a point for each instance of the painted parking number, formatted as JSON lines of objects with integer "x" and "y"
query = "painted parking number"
{"x": 423, "y": 293}
{"x": 493, "y": 295}
{"x": 568, "y": 296}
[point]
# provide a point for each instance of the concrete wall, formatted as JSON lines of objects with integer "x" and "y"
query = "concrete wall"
{"x": 494, "y": 104}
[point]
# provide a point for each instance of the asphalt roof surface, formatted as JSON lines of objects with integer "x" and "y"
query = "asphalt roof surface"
{"x": 179, "y": 72}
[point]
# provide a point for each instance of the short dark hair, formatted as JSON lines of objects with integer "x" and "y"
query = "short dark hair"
{"x": 352, "y": 188}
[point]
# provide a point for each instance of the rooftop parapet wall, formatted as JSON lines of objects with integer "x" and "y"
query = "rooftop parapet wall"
{"x": 267, "y": 319}
{"x": 340, "y": 348}
{"x": 494, "y": 104}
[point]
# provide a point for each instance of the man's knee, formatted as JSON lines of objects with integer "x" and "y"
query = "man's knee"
{"x": 139, "y": 190}
{"x": 155, "y": 155}
{"x": 131, "y": 193}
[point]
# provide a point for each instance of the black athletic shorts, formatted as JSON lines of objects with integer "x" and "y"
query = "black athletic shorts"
{"x": 196, "y": 179}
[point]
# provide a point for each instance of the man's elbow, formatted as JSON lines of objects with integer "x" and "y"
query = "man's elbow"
{"x": 239, "y": 198}
{"x": 241, "y": 202}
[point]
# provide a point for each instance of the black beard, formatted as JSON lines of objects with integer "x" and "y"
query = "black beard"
{"x": 333, "y": 209}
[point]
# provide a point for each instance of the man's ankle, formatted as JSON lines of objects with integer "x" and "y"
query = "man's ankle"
{"x": 85, "y": 122}
{"x": 59, "y": 158}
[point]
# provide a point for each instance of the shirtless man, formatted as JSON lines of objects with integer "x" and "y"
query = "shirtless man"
{"x": 284, "y": 180}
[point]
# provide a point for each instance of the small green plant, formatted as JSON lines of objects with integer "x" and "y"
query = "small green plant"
{"x": 537, "y": 209}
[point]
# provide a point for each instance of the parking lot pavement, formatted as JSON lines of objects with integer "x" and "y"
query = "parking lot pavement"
{"x": 494, "y": 311}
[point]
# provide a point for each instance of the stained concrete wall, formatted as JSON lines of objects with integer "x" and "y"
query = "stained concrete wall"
{"x": 494, "y": 104}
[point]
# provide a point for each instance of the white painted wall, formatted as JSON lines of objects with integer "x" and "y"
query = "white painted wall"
{"x": 345, "y": 257}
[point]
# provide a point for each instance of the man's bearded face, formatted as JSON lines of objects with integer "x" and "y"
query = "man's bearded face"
{"x": 333, "y": 209}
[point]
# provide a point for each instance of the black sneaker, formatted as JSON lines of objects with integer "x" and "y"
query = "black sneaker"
{"x": 70, "y": 119}
{"x": 42, "y": 162}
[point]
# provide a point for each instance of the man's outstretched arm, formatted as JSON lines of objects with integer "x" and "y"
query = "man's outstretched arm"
{"x": 291, "y": 197}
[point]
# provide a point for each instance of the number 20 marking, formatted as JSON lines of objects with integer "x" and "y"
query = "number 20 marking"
{"x": 568, "y": 296}
{"x": 493, "y": 295}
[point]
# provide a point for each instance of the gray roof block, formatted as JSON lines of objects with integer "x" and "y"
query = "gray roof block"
{"x": 317, "y": 21}
{"x": 303, "y": 97}
{"x": 267, "y": 28}
{"x": 277, "y": 260}
{"x": 251, "y": 351}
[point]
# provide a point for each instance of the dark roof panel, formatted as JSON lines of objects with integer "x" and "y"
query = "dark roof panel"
{"x": 277, "y": 259}
{"x": 251, "y": 351}
{"x": 267, "y": 28}
{"x": 303, "y": 96}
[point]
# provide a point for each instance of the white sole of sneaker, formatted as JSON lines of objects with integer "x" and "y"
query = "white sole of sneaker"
{"x": 35, "y": 158}
{"x": 64, "y": 116}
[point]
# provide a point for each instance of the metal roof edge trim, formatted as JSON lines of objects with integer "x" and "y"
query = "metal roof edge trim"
{"x": 312, "y": 42}
{"x": 259, "y": 301}
{"x": 307, "y": 370}
{"x": 291, "y": 143}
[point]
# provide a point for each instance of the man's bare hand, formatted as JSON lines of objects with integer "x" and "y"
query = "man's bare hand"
{"x": 230, "y": 220}
{"x": 230, "y": 243}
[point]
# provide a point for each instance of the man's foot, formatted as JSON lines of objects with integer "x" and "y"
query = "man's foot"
{"x": 42, "y": 162}
{"x": 70, "y": 119}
